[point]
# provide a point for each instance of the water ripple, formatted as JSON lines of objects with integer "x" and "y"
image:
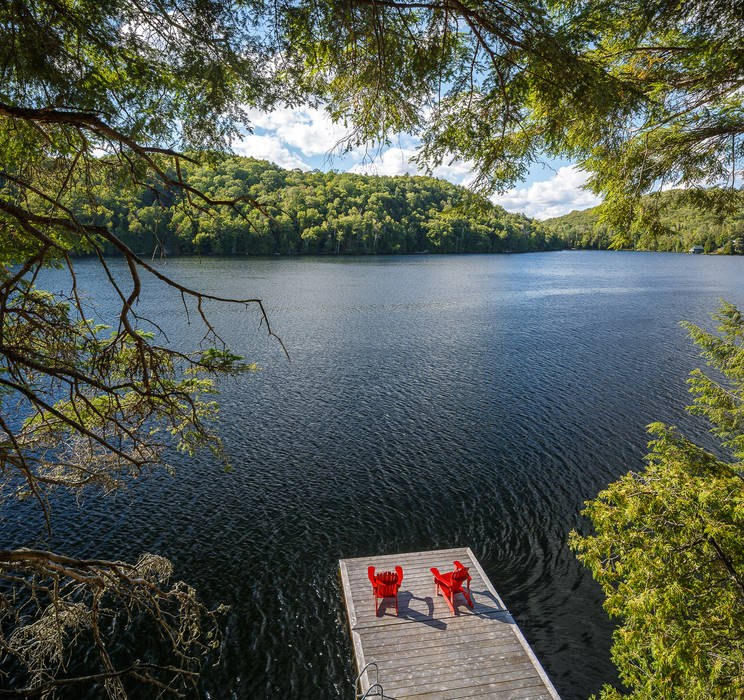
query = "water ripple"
{"x": 430, "y": 402}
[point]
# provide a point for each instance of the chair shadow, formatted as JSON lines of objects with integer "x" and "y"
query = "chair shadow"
{"x": 485, "y": 605}
{"x": 407, "y": 613}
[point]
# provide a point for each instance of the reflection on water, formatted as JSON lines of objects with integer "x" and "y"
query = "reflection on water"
{"x": 430, "y": 402}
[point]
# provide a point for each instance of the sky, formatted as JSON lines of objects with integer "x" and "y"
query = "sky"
{"x": 306, "y": 138}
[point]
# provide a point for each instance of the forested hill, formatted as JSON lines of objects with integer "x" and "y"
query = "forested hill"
{"x": 315, "y": 212}
{"x": 687, "y": 227}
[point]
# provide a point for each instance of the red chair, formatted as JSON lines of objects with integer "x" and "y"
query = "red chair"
{"x": 451, "y": 583}
{"x": 386, "y": 585}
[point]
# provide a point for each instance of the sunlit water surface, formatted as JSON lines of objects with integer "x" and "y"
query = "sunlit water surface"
{"x": 430, "y": 402}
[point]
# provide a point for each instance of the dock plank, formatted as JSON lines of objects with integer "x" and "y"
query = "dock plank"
{"x": 425, "y": 652}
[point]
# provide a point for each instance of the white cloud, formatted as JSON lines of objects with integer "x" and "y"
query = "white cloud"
{"x": 270, "y": 148}
{"x": 394, "y": 161}
{"x": 555, "y": 197}
{"x": 291, "y": 137}
{"x": 397, "y": 161}
{"x": 459, "y": 172}
{"x": 309, "y": 130}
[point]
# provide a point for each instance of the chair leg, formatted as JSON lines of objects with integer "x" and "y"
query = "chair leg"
{"x": 467, "y": 596}
{"x": 396, "y": 605}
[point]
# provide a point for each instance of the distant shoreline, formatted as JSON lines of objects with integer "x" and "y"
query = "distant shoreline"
{"x": 272, "y": 256}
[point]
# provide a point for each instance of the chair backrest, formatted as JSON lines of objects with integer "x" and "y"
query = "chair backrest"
{"x": 387, "y": 583}
{"x": 387, "y": 577}
{"x": 460, "y": 574}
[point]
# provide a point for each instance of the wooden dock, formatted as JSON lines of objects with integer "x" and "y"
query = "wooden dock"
{"x": 426, "y": 652}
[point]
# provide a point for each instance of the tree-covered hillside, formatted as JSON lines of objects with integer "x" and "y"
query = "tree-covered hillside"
{"x": 682, "y": 226}
{"x": 311, "y": 212}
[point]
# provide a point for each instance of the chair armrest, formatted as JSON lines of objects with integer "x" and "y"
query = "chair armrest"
{"x": 371, "y": 574}
{"x": 399, "y": 571}
{"x": 438, "y": 577}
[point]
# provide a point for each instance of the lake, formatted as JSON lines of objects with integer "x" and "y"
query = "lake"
{"x": 430, "y": 402}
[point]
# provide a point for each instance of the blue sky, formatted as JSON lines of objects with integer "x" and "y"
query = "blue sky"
{"x": 306, "y": 138}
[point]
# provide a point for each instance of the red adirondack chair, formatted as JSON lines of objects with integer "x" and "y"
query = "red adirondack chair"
{"x": 386, "y": 584}
{"x": 451, "y": 583}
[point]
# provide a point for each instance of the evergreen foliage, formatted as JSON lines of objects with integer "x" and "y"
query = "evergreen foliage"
{"x": 312, "y": 212}
{"x": 669, "y": 543}
{"x": 91, "y": 92}
{"x": 644, "y": 95}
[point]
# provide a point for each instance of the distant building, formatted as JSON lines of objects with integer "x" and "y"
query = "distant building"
{"x": 696, "y": 250}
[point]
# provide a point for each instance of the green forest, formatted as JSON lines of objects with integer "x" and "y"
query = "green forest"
{"x": 291, "y": 212}
{"x": 681, "y": 226}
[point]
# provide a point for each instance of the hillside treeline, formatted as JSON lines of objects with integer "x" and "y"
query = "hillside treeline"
{"x": 684, "y": 226}
{"x": 313, "y": 212}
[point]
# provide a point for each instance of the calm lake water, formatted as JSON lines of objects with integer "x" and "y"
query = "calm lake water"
{"x": 430, "y": 402}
